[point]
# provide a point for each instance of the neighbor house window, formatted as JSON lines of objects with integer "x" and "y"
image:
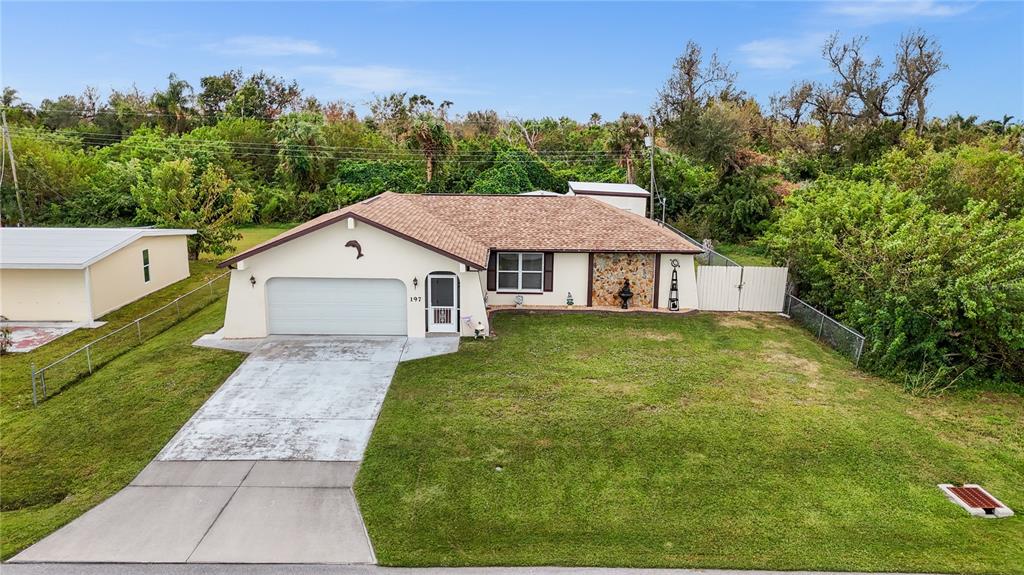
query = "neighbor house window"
{"x": 520, "y": 271}
{"x": 145, "y": 265}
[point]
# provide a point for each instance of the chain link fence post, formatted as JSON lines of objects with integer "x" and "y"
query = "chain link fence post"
{"x": 88, "y": 358}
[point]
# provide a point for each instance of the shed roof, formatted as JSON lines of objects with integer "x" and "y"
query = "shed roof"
{"x": 68, "y": 248}
{"x": 601, "y": 188}
{"x": 467, "y": 227}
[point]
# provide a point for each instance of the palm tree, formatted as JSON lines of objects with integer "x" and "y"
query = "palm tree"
{"x": 174, "y": 103}
{"x": 431, "y": 136}
{"x": 626, "y": 138}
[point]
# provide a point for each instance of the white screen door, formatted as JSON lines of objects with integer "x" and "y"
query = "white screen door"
{"x": 442, "y": 313}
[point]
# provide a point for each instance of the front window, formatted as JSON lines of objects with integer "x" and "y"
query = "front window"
{"x": 520, "y": 271}
{"x": 145, "y": 265}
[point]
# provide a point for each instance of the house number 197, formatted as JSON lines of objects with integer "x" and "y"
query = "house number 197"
{"x": 415, "y": 298}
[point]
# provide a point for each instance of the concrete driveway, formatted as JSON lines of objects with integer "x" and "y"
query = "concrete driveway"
{"x": 294, "y": 399}
{"x": 263, "y": 472}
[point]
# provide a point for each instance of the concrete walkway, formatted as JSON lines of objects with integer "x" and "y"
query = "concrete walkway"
{"x": 87, "y": 569}
{"x": 262, "y": 473}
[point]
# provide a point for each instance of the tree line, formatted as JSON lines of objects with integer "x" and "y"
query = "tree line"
{"x": 904, "y": 225}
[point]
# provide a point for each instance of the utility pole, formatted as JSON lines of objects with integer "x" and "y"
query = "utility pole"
{"x": 649, "y": 141}
{"x": 14, "y": 168}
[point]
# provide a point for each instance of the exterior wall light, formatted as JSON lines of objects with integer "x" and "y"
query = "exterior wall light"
{"x": 415, "y": 283}
{"x": 252, "y": 280}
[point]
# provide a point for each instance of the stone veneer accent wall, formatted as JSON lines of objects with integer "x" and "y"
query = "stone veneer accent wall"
{"x": 611, "y": 270}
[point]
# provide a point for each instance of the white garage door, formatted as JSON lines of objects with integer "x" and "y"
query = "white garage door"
{"x": 336, "y": 306}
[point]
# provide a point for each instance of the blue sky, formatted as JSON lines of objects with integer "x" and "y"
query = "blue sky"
{"x": 523, "y": 59}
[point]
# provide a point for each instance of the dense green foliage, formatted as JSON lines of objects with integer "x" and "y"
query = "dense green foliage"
{"x": 709, "y": 440}
{"x": 923, "y": 251}
{"x": 857, "y": 184}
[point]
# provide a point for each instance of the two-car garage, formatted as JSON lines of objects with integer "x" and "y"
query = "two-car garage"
{"x": 336, "y": 306}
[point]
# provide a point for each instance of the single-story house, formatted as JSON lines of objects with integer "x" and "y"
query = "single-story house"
{"x": 80, "y": 274}
{"x": 626, "y": 196}
{"x": 414, "y": 264}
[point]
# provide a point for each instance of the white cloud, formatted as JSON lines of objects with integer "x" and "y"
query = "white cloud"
{"x": 781, "y": 53}
{"x": 377, "y": 78}
{"x": 266, "y": 46}
{"x": 877, "y": 11}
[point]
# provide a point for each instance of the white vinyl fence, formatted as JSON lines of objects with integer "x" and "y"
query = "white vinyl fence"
{"x": 741, "y": 288}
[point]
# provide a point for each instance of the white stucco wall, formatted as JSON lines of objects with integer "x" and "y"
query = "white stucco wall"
{"x": 118, "y": 279}
{"x": 636, "y": 205}
{"x": 322, "y": 254}
{"x": 571, "y": 272}
{"x": 44, "y": 295}
{"x": 687, "y": 281}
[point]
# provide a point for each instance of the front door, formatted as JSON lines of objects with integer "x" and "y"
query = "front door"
{"x": 442, "y": 311}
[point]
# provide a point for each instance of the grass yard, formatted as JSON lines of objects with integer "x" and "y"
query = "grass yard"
{"x": 744, "y": 254}
{"x": 699, "y": 441}
{"x": 81, "y": 446}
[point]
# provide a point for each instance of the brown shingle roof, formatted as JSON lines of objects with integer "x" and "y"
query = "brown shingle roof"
{"x": 466, "y": 227}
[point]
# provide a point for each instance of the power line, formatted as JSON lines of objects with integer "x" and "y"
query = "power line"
{"x": 199, "y": 115}
{"x": 296, "y": 151}
{"x": 253, "y": 147}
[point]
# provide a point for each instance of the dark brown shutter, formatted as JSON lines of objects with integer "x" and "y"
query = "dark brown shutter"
{"x": 492, "y": 272}
{"x": 549, "y": 271}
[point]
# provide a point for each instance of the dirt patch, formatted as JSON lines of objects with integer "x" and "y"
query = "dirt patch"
{"x": 746, "y": 321}
{"x": 653, "y": 335}
{"x": 779, "y": 354}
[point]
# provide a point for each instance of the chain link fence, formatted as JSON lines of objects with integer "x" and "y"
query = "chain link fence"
{"x": 710, "y": 257}
{"x": 50, "y": 379}
{"x": 836, "y": 335}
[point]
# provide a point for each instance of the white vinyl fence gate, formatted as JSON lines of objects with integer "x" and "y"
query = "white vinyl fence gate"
{"x": 741, "y": 288}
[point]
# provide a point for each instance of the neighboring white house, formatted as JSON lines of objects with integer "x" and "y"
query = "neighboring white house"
{"x": 412, "y": 264}
{"x": 626, "y": 196}
{"x": 80, "y": 274}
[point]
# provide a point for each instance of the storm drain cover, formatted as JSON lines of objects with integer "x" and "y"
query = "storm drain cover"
{"x": 976, "y": 500}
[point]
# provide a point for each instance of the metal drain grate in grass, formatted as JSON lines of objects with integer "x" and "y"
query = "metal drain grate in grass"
{"x": 976, "y": 500}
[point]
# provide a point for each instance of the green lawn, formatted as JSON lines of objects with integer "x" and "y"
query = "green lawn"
{"x": 81, "y": 446}
{"x": 696, "y": 441}
{"x": 744, "y": 254}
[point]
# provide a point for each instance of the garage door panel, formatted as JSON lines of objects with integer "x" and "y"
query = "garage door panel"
{"x": 336, "y": 306}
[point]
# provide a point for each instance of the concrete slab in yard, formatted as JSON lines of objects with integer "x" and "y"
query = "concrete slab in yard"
{"x": 138, "y": 525}
{"x": 194, "y": 473}
{"x": 302, "y": 474}
{"x": 420, "y": 347}
{"x": 287, "y": 525}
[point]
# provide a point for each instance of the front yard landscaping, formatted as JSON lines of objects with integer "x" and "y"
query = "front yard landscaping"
{"x": 732, "y": 441}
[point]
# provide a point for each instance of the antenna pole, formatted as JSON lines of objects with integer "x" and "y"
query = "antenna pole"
{"x": 650, "y": 146}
